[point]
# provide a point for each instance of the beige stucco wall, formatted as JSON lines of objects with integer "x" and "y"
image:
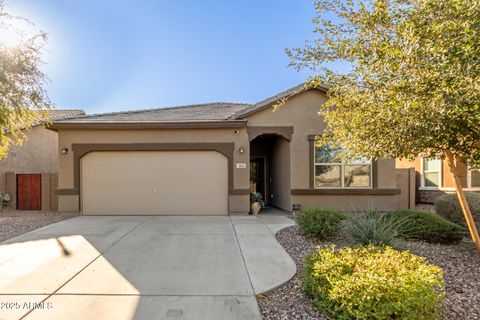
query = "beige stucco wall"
{"x": 280, "y": 168}
{"x": 347, "y": 202}
{"x": 406, "y": 183}
{"x": 37, "y": 154}
{"x": 68, "y": 203}
{"x": 415, "y": 164}
{"x": 301, "y": 112}
{"x": 385, "y": 173}
{"x": 237, "y": 203}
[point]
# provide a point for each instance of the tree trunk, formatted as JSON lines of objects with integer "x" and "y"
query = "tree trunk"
{"x": 463, "y": 202}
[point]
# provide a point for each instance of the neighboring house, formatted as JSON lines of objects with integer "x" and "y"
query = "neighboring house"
{"x": 433, "y": 178}
{"x": 29, "y": 173}
{"x": 206, "y": 159}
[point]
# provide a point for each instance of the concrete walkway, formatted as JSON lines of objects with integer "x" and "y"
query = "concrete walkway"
{"x": 143, "y": 268}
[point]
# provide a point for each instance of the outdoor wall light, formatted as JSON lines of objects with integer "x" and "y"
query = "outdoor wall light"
{"x": 241, "y": 150}
{"x": 64, "y": 150}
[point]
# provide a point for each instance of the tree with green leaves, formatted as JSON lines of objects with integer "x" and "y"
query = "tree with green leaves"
{"x": 22, "y": 94}
{"x": 413, "y": 88}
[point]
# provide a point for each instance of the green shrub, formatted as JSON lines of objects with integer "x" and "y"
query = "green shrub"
{"x": 320, "y": 223}
{"x": 448, "y": 206}
{"x": 428, "y": 226}
{"x": 373, "y": 283}
{"x": 374, "y": 228}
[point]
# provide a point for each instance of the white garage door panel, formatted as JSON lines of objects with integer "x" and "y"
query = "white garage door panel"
{"x": 154, "y": 183}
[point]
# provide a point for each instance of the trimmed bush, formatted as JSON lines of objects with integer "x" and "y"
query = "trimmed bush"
{"x": 320, "y": 223}
{"x": 373, "y": 283}
{"x": 448, "y": 206}
{"x": 375, "y": 228}
{"x": 428, "y": 226}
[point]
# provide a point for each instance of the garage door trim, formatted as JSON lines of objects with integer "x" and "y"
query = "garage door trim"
{"x": 81, "y": 149}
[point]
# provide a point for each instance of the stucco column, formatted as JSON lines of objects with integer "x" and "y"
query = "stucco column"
{"x": 53, "y": 196}
{"x": 11, "y": 182}
{"x": 46, "y": 191}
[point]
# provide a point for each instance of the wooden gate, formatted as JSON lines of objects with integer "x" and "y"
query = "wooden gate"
{"x": 29, "y": 191}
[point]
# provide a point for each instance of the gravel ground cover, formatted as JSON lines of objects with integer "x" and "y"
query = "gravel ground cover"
{"x": 460, "y": 263}
{"x": 14, "y": 223}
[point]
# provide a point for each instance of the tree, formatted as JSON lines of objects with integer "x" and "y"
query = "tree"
{"x": 414, "y": 84}
{"x": 21, "y": 81}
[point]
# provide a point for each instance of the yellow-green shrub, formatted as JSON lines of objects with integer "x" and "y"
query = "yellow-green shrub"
{"x": 373, "y": 283}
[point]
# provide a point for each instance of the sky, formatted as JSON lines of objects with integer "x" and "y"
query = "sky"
{"x": 114, "y": 55}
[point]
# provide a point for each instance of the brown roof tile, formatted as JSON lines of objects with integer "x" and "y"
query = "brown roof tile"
{"x": 56, "y": 114}
{"x": 199, "y": 112}
{"x": 217, "y": 111}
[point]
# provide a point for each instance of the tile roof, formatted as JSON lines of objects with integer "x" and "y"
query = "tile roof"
{"x": 56, "y": 114}
{"x": 217, "y": 111}
{"x": 52, "y": 115}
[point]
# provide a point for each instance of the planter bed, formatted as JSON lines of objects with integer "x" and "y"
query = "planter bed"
{"x": 460, "y": 263}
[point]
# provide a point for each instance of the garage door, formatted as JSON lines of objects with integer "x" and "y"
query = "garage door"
{"x": 154, "y": 183}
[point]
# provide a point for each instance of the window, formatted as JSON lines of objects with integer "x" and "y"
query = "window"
{"x": 431, "y": 173}
{"x": 475, "y": 178}
{"x": 331, "y": 171}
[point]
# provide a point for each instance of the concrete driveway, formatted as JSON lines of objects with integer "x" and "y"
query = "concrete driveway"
{"x": 139, "y": 267}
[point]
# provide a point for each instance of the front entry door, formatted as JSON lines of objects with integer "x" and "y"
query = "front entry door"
{"x": 257, "y": 176}
{"x": 29, "y": 192}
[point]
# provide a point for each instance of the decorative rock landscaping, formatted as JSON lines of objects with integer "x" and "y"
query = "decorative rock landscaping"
{"x": 460, "y": 263}
{"x": 15, "y": 223}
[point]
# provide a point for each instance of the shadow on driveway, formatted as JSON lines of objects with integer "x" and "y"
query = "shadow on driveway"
{"x": 141, "y": 267}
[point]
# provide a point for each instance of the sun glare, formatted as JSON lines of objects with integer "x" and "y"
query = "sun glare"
{"x": 9, "y": 38}
{"x": 14, "y": 29}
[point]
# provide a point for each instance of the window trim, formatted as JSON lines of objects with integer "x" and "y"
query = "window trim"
{"x": 342, "y": 171}
{"x": 469, "y": 180}
{"x": 422, "y": 175}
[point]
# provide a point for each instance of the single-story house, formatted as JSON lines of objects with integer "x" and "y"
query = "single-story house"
{"x": 206, "y": 159}
{"x": 433, "y": 178}
{"x": 29, "y": 172}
